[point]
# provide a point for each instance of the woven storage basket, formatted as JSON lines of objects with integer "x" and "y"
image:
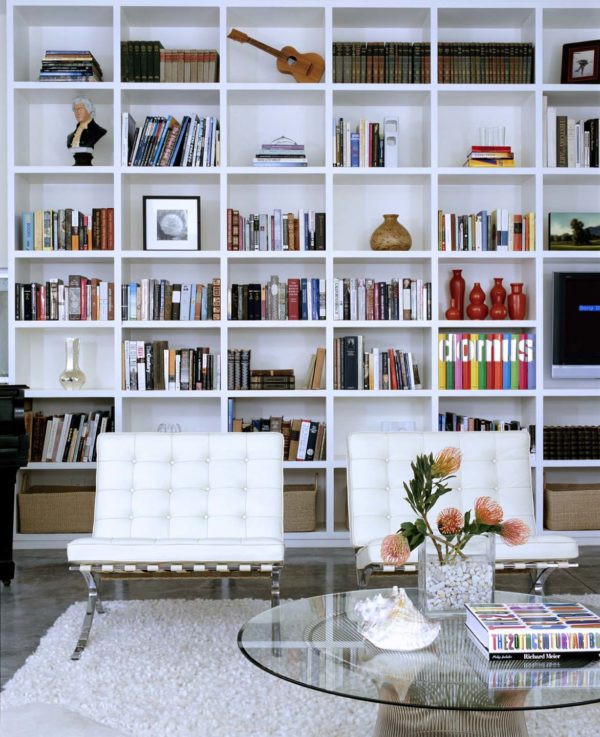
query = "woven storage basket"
{"x": 57, "y": 508}
{"x": 572, "y": 506}
{"x": 299, "y": 507}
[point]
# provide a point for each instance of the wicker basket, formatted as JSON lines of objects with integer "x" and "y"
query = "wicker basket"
{"x": 299, "y": 507}
{"x": 57, "y": 508}
{"x": 572, "y": 506}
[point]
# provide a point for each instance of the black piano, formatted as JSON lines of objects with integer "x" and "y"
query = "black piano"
{"x": 14, "y": 450}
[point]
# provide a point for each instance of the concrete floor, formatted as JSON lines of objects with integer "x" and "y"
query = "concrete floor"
{"x": 43, "y": 588}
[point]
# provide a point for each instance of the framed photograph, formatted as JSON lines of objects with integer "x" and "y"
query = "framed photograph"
{"x": 574, "y": 231}
{"x": 581, "y": 63}
{"x": 171, "y": 223}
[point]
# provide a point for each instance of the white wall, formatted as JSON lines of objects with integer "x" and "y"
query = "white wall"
{"x": 3, "y": 110}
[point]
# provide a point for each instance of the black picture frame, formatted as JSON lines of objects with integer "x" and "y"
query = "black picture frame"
{"x": 581, "y": 63}
{"x": 171, "y": 222}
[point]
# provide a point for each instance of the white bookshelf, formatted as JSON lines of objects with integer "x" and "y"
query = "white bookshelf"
{"x": 254, "y": 103}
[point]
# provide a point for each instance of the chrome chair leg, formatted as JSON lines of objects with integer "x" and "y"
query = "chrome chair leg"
{"x": 540, "y": 580}
{"x": 89, "y": 615}
{"x": 275, "y": 574}
{"x": 362, "y": 577}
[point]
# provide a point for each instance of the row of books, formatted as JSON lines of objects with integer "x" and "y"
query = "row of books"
{"x": 486, "y": 157}
{"x": 380, "y": 62}
{"x": 158, "y": 299}
{"x": 454, "y": 422}
{"x": 163, "y": 141}
{"x": 153, "y": 366}
{"x": 149, "y": 61}
{"x": 281, "y": 231}
{"x": 80, "y": 299}
{"x": 570, "y": 142}
{"x": 296, "y": 299}
{"x": 315, "y": 374}
{"x": 362, "y": 147}
{"x": 497, "y": 230}
{"x": 62, "y": 65}
{"x": 367, "y": 299}
{"x": 485, "y": 63}
{"x": 238, "y": 368}
{"x": 486, "y": 361}
{"x": 68, "y": 229}
{"x": 303, "y": 440}
{"x": 68, "y": 438}
{"x": 571, "y": 442}
{"x": 356, "y": 368}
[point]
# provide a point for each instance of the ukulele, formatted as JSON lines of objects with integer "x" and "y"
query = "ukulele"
{"x": 302, "y": 67}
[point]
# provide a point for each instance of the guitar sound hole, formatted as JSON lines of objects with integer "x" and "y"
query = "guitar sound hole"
{"x": 291, "y": 60}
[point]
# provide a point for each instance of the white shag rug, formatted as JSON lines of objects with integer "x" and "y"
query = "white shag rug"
{"x": 172, "y": 668}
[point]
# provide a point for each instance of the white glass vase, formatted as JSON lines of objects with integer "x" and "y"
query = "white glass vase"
{"x": 467, "y": 578}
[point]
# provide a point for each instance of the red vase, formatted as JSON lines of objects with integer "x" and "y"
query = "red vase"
{"x": 477, "y": 309}
{"x": 517, "y": 302}
{"x": 457, "y": 292}
{"x": 498, "y": 295}
{"x": 452, "y": 313}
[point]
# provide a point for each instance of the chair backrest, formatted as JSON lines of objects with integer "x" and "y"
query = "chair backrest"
{"x": 493, "y": 464}
{"x": 189, "y": 485}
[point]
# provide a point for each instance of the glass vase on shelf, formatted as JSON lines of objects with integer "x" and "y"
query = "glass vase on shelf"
{"x": 449, "y": 578}
{"x": 72, "y": 377}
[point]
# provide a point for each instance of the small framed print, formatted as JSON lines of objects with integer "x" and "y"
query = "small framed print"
{"x": 574, "y": 231}
{"x": 581, "y": 63}
{"x": 171, "y": 223}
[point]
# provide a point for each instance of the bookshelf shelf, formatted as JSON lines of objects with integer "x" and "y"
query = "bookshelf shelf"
{"x": 256, "y": 104}
{"x": 61, "y": 467}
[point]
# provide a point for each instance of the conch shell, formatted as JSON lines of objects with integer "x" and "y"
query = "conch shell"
{"x": 393, "y": 623}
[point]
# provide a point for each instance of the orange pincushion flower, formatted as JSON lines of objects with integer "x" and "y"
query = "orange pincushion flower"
{"x": 395, "y": 549}
{"x": 450, "y": 521}
{"x": 515, "y": 532}
{"x": 446, "y": 463}
{"x": 488, "y": 511}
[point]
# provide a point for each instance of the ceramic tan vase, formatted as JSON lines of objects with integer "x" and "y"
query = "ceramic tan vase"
{"x": 390, "y": 236}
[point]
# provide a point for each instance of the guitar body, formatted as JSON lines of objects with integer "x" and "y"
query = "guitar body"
{"x": 303, "y": 67}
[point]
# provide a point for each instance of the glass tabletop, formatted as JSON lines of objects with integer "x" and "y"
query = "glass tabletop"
{"x": 315, "y": 642}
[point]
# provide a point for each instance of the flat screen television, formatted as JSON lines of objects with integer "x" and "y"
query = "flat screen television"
{"x": 576, "y": 325}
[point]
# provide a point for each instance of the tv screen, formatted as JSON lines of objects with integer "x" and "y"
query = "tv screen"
{"x": 576, "y": 326}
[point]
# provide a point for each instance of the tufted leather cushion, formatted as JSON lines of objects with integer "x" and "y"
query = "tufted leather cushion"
{"x": 493, "y": 464}
{"x": 208, "y": 497}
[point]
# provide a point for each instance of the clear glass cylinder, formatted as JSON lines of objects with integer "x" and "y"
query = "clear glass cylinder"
{"x": 462, "y": 578}
{"x": 72, "y": 377}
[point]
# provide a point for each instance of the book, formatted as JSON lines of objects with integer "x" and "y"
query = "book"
{"x": 534, "y": 630}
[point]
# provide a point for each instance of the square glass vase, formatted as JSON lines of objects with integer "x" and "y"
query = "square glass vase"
{"x": 463, "y": 578}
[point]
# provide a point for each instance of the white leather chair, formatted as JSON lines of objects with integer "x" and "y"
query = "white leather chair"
{"x": 493, "y": 464}
{"x": 203, "y": 504}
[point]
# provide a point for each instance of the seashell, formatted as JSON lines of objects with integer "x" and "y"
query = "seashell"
{"x": 394, "y": 623}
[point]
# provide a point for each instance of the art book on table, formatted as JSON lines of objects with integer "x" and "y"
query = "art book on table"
{"x": 535, "y": 631}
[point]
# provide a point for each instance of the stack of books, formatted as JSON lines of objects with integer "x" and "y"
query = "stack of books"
{"x": 534, "y": 632}
{"x": 70, "y": 66}
{"x": 486, "y": 156}
{"x": 272, "y": 379}
{"x": 281, "y": 153}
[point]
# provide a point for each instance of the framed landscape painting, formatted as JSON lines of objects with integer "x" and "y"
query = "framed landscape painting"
{"x": 574, "y": 231}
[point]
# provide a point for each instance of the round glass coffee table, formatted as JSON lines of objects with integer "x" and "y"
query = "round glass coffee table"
{"x": 447, "y": 689}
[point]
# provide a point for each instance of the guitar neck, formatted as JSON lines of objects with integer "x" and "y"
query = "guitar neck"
{"x": 264, "y": 47}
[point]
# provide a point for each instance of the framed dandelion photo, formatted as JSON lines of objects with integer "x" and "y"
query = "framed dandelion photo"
{"x": 581, "y": 63}
{"x": 171, "y": 223}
